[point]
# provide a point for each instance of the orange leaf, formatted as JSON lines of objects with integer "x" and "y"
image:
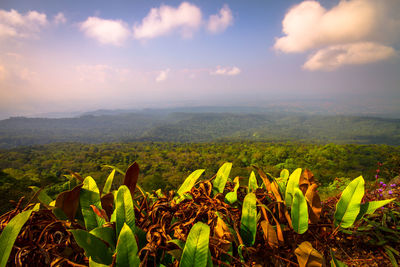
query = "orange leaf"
{"x": 269, "y": 234}
{"x": 275, "y": 191}
{"x": 314, "y": 202}
{"x": 264, "y": 177}
{"x": 221, "y": 230}
{"x": 100, "y": 212}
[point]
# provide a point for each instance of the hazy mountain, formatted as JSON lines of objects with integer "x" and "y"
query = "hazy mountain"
{"x": 196, "y": 125}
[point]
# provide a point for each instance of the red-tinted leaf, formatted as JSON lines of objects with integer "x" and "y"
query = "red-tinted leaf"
{"x": 100, "y": 212}
{"x": 68, "y": 201}
{"x": 107, "y": 203}
{"x": 131, "y": 177}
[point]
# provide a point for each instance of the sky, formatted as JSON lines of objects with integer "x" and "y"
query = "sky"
{"x": 76, "y": 56}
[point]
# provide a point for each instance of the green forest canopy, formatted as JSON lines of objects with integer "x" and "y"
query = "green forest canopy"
{"x": 200, "y": 127}
{"x": 166, "y": 165}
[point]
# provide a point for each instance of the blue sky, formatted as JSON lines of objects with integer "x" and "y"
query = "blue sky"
{"x": 65, "y": 56}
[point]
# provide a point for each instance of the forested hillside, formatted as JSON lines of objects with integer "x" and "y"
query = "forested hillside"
{"x": 165, "y": 165}
{"x": 200, "y": 127}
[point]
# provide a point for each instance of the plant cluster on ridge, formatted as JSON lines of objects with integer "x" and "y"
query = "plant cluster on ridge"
{"x": 271, "y": 221}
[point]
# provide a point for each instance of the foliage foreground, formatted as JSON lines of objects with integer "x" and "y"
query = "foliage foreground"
{"x": 255, "y": 221}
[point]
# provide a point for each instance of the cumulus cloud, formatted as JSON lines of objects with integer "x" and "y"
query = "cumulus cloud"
{"x": 333, "y": 57}
{"x": 105, "y": 31}
{"x": 185, "y": 19}
{"x": 15, "y": 24}
{"x": 162, "y": 76}
{"x": 219, "y": 22}
{"x": 59, "y": 18}
{"x": 355, "y": 27}
{"x": 227, "y": 71}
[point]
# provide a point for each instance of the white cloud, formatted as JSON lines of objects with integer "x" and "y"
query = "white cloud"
{"x": 333, "y": 57}
{"x": 309, "y": 25}
{"x": 59, "y": 18}
{"x": 113, "y": 32}
{"x": 14, "y": 24}
{"x": 355, "y": 28}
{"x": 219, "y": 22}
{"x": 163, "y": 75}
{"x": 227, "y": 71}
{"x": 185, "y": 19}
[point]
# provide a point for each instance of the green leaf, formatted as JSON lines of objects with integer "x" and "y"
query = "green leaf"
{"x": 299, "y": 212}
{"x": 159, "y": 193}
{"x": 248, "y": 223}
{"x": 209, "y": 259}
{"x": 10, "y": 233}
{"x": 392, "y": 258}
{"x": 231, "y": 197}
{"x": 90, "y": 195}
{"x": 196, "y": 248}
{"x": 92, "y": 263}
{"x": 127, "y": 249}
{"x": 335, "y": 262}
{"x": 189, "y": 182}
{"x": 284, "y": 175}
{"x": 106, "y": 234}
{"x": 177, "y": 242}
{"x": 293, "y": 183}
{"x": 93, "y": 246}
{"x": 222, "y": 177}
{"x": 108, "y": 184}
{"x": 124, "y": 209}
{"x": 252, "y": 182}
{"x": 348, "y": 206}
{"x": 240, "y": 252}
{"x": 59, "y": 213}
{"x": 370, "y": 207}
{"x": 392, "y": 249}
{"x": 281, "y": 187}
{"x": 114, "y": 168}
{"x": 140, "y": 237}
{"x": 175, "y": 254}
{"x": 42, "y": 196}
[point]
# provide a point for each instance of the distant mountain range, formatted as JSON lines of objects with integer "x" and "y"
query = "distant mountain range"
{"x": 202, "y": 124}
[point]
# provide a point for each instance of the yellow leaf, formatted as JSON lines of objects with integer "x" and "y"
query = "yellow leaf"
{"x": 307, "y": 256}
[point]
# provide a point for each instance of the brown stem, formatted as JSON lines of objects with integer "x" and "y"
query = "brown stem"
{"x": 288, "y": 261}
